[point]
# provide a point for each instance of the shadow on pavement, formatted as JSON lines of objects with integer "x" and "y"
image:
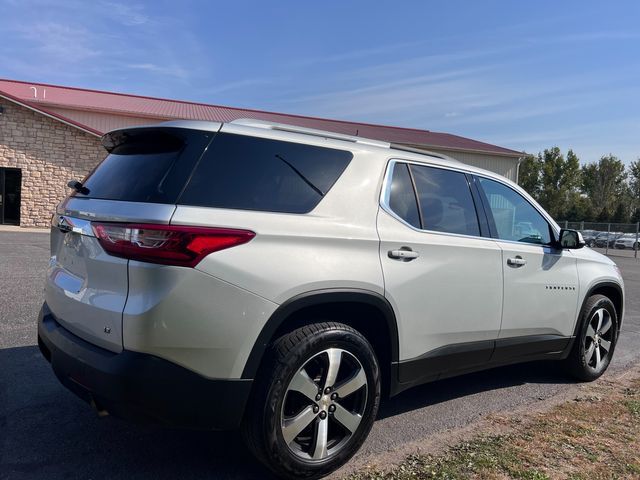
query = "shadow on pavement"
{"x": 47, "y": 432}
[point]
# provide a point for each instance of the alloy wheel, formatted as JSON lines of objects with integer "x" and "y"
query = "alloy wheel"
{"x": 324, "y": 404}
{"x": 598, "y": 339}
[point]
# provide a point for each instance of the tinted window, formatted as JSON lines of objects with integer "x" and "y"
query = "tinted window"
{"x": 251, "y": 173}
{"x": 446, "y": 204}
{"x": 402, "y": 198}
{"x": 514, "y": 217}
{"x": 146, "y": 165}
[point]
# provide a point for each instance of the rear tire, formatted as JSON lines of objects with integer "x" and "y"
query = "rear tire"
{"x": 594, "y": 346}
{"x": 314, "y": 402}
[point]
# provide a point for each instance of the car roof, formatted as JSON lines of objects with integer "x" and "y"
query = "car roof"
{"x": 384, "y": 150}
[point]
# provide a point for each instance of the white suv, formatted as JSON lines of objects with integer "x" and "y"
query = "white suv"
{"x": 283, "y": 280}
{"x": 628, "y": 240}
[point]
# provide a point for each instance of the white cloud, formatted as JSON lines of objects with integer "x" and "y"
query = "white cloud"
{"x": 58, "y": 42}
{"x": 239, "y": 85}
{"x": 130, "y": 15}
{"x": 174, "y": 71}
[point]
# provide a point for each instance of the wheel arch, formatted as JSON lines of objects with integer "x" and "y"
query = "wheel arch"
{"x": 342, "y": 305}
{"x": 612, "y": 291}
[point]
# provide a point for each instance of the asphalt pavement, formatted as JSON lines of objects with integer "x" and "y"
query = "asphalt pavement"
{"x": 46, "y": 432}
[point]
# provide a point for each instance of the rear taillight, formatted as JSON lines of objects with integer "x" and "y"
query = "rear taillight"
{"x": 166, "y": 244}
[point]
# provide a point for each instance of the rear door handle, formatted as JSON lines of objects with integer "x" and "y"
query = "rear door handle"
{"x": 516, "y": 261}
{"x": 404, "y": 254}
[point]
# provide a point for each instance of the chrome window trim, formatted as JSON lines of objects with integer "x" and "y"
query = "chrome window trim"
{"x": 386, "y": 192}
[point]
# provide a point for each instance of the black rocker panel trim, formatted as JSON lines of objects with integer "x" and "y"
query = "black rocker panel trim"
{"x": 462, "y": 358}
{"x": 449, "y": 357}
{"x": 315, "y": 298}
{"x": 522, "y": 347}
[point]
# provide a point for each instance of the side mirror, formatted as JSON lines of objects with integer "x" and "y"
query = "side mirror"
{"x": 571, "y": 239}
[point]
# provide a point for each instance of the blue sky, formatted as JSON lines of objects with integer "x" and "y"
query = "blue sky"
{"x": 525, "y": 75}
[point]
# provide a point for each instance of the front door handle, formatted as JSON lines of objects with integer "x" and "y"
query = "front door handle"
{"x": 404, "y": 254}
{"x": 517, "y": 261}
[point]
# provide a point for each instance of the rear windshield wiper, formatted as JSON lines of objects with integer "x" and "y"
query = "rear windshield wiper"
{"x": 78, "y": 187}
{"x": 301, "y": 175}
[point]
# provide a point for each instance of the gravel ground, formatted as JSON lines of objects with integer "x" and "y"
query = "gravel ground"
{"x": 46, "y": 432}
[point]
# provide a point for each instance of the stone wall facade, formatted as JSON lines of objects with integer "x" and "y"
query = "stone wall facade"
{"x": 49, "y": 154}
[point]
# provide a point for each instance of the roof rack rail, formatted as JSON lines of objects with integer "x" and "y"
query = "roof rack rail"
{"x": 406, "y": 148}
{"x": 281, "y": 127}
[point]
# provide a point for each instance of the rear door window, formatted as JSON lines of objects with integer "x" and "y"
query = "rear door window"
{"x": 445, "y": 200}
{"x": 146, "y": 165}
{"x": 402, "y": 197}
{"x": 250, "y": 173}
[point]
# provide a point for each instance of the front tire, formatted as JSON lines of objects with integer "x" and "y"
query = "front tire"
{"x": 594, "y": 346}
{"x": 314, "y": 402}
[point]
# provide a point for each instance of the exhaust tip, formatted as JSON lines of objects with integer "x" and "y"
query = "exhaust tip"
{"x": 100, "y": 411}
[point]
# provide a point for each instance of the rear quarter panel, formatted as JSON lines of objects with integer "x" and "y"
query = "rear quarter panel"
{"x": 334, "y": 246}
{"x": 192, "y": 319}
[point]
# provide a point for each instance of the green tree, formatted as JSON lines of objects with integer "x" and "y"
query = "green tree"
{"x": 559, "y": 181}
{"x": 579, "y": 208}
{"x": 621, "y": 213}
{"x": 634, "y": 179}
{"x": 604, "y": 216}
{"x": 634, "y": 190}
{"x": 529, "y": 175}
{"x": 604, "y": 183}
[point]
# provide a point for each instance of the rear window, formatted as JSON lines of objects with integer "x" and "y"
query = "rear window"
{"x": 146, "y": 165}
{"x": 250, "y": 173}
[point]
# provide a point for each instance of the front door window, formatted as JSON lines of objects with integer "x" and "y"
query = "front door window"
{"x": 514, "y": 217}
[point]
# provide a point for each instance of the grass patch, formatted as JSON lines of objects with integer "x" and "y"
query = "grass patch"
{"x": 633, "y": 406}
{"x": 597, "y": 438}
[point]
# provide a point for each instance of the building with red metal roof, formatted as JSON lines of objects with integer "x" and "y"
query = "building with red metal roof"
{"x": 83, "y": 115}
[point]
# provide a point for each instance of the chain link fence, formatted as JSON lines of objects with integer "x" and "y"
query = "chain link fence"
{"x": 614, "y": 239}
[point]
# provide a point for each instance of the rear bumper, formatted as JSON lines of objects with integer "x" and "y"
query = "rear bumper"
{"x": 140, "y": 387}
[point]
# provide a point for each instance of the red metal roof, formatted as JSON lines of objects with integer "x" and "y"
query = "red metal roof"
{"x": 48, "y": 98}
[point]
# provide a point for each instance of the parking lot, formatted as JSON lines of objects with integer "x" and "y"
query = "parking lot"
{"x": 622, "y": 239}
{"x": 616, "y": 252}
{"x": 46, "y": 432}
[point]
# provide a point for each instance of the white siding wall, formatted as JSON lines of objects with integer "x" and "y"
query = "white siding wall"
{"x": 505, "y": 166}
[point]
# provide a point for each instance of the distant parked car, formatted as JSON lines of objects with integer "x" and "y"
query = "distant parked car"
{"x": 601, "y": 239}
{"x": 628, "y": 240}
{"x": 613, "y": 238}
{"x": 605, "y": 238}
{"x": 589, "y": 236}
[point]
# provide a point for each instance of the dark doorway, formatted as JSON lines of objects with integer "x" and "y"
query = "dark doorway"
{"x": 10, "y": 182}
